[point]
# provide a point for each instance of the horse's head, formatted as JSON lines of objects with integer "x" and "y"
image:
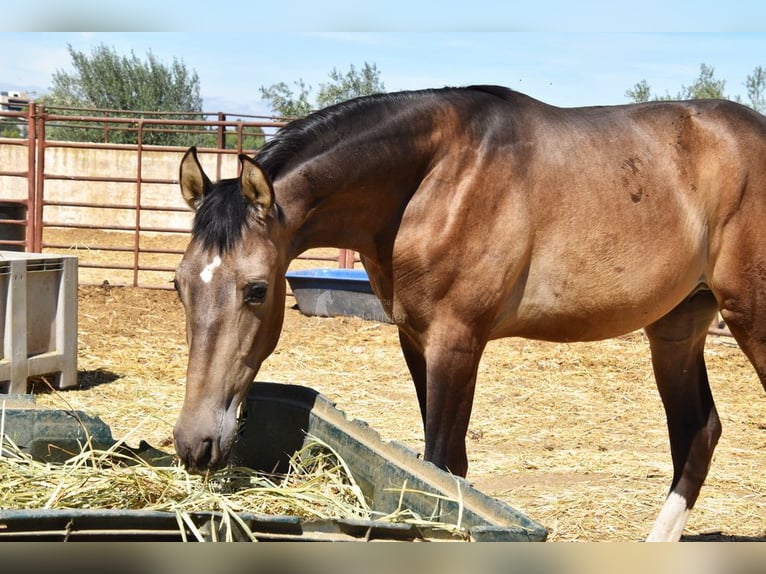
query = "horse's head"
{"x": 231, "y": 283}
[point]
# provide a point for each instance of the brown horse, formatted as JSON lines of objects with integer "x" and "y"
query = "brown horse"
{"x": 482, "y": 213}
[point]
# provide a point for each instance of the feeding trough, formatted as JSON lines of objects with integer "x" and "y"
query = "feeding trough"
{"x": 333, "y": 292}
{"x": 280, "y": 420}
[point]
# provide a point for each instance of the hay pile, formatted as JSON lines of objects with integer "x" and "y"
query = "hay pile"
{"x": 318, "y": 485}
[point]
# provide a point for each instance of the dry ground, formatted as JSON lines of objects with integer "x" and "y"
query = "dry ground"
{"x": 571, "y": 435}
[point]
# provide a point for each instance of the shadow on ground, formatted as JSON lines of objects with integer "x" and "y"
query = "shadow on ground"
{"x": 43, "y": 384}
{"x": 720, "y": 537}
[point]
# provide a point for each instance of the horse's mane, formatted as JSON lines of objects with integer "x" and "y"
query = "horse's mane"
{"x": 295, "y": 136}
{"x": 224, "y": 213}
{"x": 497, "y": 91}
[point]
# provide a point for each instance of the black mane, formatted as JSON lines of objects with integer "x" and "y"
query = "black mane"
{"x": 295, "y": 136}
{"x": 292, "y": 139}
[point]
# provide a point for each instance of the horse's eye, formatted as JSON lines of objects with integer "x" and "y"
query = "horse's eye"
{"x": 255, "y": 293}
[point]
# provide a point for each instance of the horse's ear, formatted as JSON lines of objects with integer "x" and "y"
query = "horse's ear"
{"x": 194, "y": 183}
{"x": 256, "y": 185}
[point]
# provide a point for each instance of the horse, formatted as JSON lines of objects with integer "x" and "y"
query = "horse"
{"x": 479, "y": 213}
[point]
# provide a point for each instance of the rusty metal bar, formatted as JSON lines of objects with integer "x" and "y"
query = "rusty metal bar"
{"x": 162, "y": 122}
{"x": 91, "y": 204}
{"x": 94, "y": 226}
{"x": 97, "y": 179}
{"x": 14, "y": 173}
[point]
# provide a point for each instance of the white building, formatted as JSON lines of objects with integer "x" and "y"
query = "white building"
{"x": 13, "y": 101}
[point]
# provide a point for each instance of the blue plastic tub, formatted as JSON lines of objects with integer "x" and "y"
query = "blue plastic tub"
{"x": 333, "y": 292}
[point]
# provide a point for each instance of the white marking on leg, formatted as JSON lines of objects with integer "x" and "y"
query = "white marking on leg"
{"x": 671, "y": 521}
{"x": 207, "y": 272}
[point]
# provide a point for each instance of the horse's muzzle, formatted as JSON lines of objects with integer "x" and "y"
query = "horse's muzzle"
{"x": 200, "y": 455}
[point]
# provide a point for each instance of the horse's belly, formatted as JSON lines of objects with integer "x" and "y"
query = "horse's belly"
{"x": 559, "y": 326}
{"x": 575, "y": 313}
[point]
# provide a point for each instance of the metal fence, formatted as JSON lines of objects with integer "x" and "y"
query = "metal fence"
{"x": 114, "y": 201}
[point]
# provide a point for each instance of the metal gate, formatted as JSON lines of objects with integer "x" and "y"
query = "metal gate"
{"x": 115, "y": 205}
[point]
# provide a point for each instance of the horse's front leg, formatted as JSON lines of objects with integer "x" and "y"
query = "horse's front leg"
{"x": 416, "y": 363}
{"x": 452, "y": 361}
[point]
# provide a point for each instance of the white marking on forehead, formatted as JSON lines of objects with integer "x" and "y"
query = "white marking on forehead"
{"x": 207, "y": 272}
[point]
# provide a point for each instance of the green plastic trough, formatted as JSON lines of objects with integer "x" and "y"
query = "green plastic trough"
{"x": 279, "y": 420}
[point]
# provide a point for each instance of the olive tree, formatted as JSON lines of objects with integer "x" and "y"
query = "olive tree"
{"x": 708, "y": 86}
{"x": 342, "y": 86}
{"x": 123, "y": 86}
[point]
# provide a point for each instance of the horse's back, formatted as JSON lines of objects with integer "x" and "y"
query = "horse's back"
{"x": 579, "y": 223}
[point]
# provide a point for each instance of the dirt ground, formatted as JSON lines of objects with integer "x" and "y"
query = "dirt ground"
{"x": 571, "y": 435}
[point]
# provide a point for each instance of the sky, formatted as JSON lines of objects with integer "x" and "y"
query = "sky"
{"x": 564, "y": 53}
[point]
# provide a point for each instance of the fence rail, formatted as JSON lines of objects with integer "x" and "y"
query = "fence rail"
{"x": 116, "y": 205}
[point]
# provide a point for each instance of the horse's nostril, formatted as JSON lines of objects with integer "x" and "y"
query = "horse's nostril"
{"x": 198, "y": 460}
{"x": 204, "y": 454}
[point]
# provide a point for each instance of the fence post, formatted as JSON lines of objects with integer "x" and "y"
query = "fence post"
{"x": 221, "y": 143}
{"x": 39, "y": 178}
{"x": 346, "y": 258}
{"x": 31, "y": 230}
{"x": 139, "y": 185}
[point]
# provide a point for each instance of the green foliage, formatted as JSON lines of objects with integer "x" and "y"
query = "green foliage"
{"x": 284, "y": 102}
{"x": 704, "y": 87}
{"x": 107, "y": 81}
{"x": 707, "y": 86}
{"x": 354, "y": 83}
{"x": 252, "y": 139}
{"x": 639, "y": 93}
{"x": 9, "y": 128}
{"x": 756, "y": 86}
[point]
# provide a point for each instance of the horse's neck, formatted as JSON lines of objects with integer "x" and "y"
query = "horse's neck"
{"x": 347, "y": 200}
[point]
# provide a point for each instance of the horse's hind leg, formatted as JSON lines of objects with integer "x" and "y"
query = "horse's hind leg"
{"x": 677, "y": 343}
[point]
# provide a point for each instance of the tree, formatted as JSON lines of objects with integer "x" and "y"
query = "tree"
{"x": 12, "y": 128}
{"x": 756, "y": 86}
{"x": 640, "y": 93}
{"x": 705, "y": 86}
{"x": 284, "y": 102}
{"x": 352, "y": 84}
{"x": 107, "y": 81}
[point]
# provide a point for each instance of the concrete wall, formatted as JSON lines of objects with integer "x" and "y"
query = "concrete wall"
{"x": 13, "y": 158}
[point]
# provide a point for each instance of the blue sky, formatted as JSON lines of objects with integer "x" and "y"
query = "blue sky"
{"x": 565, "y": 53}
